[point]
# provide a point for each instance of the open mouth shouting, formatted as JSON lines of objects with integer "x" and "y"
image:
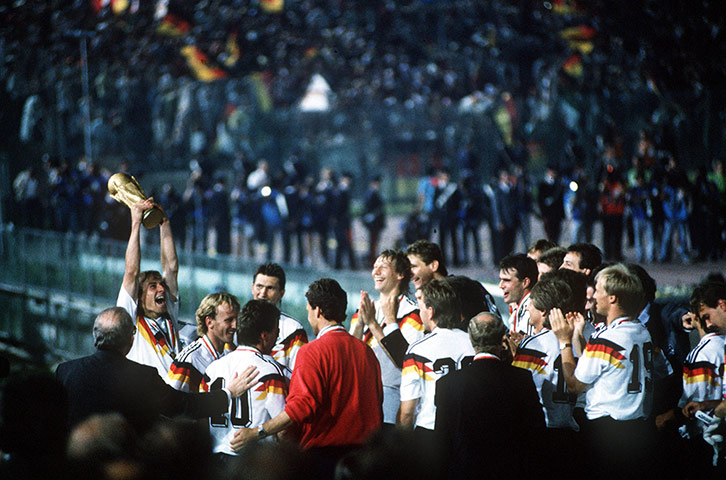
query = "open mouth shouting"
{"x": 160, "y": 300}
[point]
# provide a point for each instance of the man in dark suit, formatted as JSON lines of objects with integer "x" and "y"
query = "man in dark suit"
{"x": 486, "y": 412}
{"x": 108, "y": 382}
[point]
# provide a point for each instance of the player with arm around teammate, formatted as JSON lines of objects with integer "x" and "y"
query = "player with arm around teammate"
{"x": 257, "y": 331}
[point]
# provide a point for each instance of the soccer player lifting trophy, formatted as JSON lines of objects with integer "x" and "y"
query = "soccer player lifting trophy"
{"x": 125, "y": 189}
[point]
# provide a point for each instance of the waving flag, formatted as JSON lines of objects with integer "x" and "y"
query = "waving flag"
{"x": 200, "y": 64}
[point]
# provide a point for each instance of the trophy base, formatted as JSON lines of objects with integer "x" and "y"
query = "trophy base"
{"x": 152, "y": 217}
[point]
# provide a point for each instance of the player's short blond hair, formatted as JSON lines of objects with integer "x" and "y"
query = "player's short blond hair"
{"x": 208, "y": 308}
{"x": 626, "y": 286}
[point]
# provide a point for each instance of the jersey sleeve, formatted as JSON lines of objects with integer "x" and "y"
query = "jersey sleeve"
{"x": 353, "y": 321}
{"x": 285, "y": 353}
{"x": 183, "y": 376}
{"x": 701, "y": 381}
{"x": 272, "y": 390}
{"x": 125, "y": 301}
{"x": 600, "y": 354}
{"x": 413, "y": 376}
{"x": 412, "y": 327}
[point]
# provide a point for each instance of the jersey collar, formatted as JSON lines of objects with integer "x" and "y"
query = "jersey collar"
{"x": 330, "y": 328}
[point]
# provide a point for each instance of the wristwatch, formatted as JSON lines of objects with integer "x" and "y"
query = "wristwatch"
{"x": 261, "y": 433}
{"x": 565, "y": 345}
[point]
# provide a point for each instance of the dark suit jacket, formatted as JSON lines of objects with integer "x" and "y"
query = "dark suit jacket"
{"x": 109, "y": 382}
{"x": 489, "y": 420}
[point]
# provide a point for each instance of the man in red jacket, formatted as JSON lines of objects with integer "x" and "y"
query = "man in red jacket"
{"x": 336, "y": 394}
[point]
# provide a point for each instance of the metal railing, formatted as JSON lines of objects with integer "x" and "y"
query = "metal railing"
{"x": 53, "y": 284}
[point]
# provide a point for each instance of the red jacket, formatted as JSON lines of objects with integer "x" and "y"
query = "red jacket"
{"x": 335, "y": 392}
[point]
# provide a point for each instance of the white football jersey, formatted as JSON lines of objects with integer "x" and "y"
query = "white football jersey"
{"x": 412, "y": 329}
{"x": 703, "y": 370}
{"x": 257, "y": 405}
{"x": 156, "y": 342}
{"x": 436, "y": 354}
{"x": 540, "y": 354}
{"x": 519, "y": 320}
{"x": 618, "y": 366}
{"x": 292, "y": 336}
{"x": 187, "y": 370}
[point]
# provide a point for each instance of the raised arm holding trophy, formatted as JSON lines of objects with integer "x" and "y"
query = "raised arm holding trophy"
{"x": 125, "y": 189}
{"x": 150, "y": 297}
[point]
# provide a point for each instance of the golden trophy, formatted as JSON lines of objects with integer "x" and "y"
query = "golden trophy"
{"x": 125, "y": 189}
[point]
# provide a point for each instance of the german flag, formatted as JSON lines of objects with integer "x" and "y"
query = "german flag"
{"x": 417, "y": 365}
{"x": 579, "y": 38}
{"x": 605, "y": 350}
{"x": 200, "y": 64}
{"x": 272, "y": 384}
{"x": 573, "y": 66}
{"x": 530, "y": 360}
{"x": 173, "y": 26}
{"x": 272, "y": 6}
{"x": 566, "y": 7}
{"x": 700, "y": 372}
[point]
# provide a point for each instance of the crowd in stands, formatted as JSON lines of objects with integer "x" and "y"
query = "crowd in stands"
{"x": 665, "y": 212}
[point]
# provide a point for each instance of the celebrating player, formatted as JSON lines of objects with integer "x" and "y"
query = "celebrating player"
{"x": 517, "y": 275}
{"x": 150, "y": 297}
{"x": 445, "y": 349}
{"x": 269, "y": 284}
{"x": 615, "y": 371}
{"x": 216, "y": 325}
{"x": 257, "y": 331}
{"x": 393, "y": 311}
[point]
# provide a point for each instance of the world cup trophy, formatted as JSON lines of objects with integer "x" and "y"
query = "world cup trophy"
{"x": 125, "y": 189}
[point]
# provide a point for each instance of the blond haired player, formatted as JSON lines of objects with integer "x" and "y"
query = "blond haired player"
{"x": 216, "y": 326}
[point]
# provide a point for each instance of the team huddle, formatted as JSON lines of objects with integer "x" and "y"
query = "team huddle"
{"x": 588, "y": 374}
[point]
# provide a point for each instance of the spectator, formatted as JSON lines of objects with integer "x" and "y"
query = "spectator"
{"x": 550, "y": 199}
{"x": 612, "y": 205}
{"x": 374, "y": 216}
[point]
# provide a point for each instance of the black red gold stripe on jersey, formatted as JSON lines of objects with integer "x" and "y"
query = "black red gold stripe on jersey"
{"x": 417, "y": 364}
{"x": 605, "y": 350}
{"x": 185, "y": 373}
{"x": 272, "y": 384}
{"x": 531, "y": 360}
{"x": 700, "y": 372}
